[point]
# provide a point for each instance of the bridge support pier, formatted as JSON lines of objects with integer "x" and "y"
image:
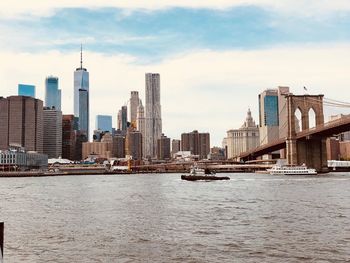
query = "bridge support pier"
{"x": 291, "y": 149}
{"x": 311, "y": 152}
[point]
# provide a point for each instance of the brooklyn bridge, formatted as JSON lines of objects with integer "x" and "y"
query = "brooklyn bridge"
{"x": 307, "y": 146}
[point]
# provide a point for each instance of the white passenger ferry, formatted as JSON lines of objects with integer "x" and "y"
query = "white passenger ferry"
{"x": 292, "y": 170}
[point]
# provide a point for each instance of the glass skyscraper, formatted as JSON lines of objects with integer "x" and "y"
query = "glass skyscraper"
{"x": 52, "y": 93}
{"x": 271, "y": 110}
{"x": 268, "y": 116}
{"x": 81, "y": 97}
{"x": 104, "y": 123}
{"x": 83, "y": 119}
{"x": 26, "y": 90}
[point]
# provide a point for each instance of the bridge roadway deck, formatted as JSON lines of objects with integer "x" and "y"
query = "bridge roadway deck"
{"x": 324, "y": 130}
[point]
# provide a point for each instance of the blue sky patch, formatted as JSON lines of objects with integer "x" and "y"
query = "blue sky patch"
{"x": 152, "y": 35}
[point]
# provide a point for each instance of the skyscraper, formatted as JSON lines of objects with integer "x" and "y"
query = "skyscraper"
{"x": 21, "y": 120}
{"x": 134, "y": 103}
{"x": 83, "y": 121}
{"x": 197, "y": 143}
{"x": 268, "y": 116}
{"x": 133, "y": 144}
{"x": 119, "y": 146}
{"x": 153, "y": 119}
{"x": 141, "y": 125}
{"x": 124, "y": 117}
{"x": 163, "y": 148}
{"x": 26, "y": 90}
{"x": 175, "y": 146}
{"x": 68, "y": 137}
{"x": 81, "y": 97}
{"x": 52, "y": 132}
{"x": 104, "y": 123}
{"x": 52, "y": 93}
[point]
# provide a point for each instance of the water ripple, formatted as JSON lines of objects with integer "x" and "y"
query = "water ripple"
{"x": 159, "y": 218}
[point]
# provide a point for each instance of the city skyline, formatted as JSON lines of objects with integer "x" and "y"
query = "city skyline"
{"x": 210, "y": 76}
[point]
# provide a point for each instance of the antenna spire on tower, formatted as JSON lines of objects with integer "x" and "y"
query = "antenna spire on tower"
{"x": 81, "y": 56}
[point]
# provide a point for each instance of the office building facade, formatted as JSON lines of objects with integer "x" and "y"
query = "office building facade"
{"x": 21, "y": 119}
{"x": 118, "y": 146}
{"x": 52, "y": 93}
{"x": 153, "y": 119}
{"x": 197, "y": 143}
{"x": 52, "y": 132}
{"x": 175, "y": 146}
{"x": 163, "y": 148}
{"x": 26, "y": 90}
{"x": 268, "y": 116}
{"x": 97, "y": 149}
{"x": 68, "y": 137}
{"x": 134, "y": 104}
{"x": 104, "y": 123}
{"x": 83, "y": 119}
{"x": 141, "y": 125}
{"x": 124, "y": 118}
{"x": 133, "y": 144}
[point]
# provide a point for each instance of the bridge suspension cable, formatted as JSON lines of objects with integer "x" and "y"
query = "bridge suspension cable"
{"x": 329, "y": 102}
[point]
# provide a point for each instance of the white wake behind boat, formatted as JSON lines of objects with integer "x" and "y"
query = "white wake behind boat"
{"x": 291, "y": 170}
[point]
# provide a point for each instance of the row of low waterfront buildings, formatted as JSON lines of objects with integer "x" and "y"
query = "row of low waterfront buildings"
{"x": 16, "y": 158}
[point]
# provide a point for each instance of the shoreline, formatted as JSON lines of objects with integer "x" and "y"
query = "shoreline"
{"x": 83, "y": 172}
{"x": 99, "y": 172}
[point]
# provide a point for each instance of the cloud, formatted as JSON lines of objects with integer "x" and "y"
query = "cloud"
{"x": 154, "y": 36}
{"x": 202, "y": 89}
{"x": 48, "y": 7}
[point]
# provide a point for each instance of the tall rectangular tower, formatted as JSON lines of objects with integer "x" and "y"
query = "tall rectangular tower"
{"x": 163, "y": 148}
{"x": 52, "y": 132}
{"x": 141, "y": 126}
{"x": 153, "y": 119}
{"x": 68, "y": 137}
{"x": 81, "y": 96}
{"x": 133, "y": 144}
{"x": 134, "y": 103}
{"x": 268, "y": 116}
{"x": 83, "y": 120}
{"x": 124, "y": 118}
{"x": 52, "y": 93}
{"x": 21, "y": 119}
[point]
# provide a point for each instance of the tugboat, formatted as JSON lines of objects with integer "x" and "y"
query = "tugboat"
{"x": 202, "y": 174}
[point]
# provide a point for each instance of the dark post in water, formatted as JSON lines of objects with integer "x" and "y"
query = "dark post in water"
{"x": 1, "y": 240}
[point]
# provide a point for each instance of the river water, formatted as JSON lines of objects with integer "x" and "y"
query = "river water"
{"x": 159, "y": 218}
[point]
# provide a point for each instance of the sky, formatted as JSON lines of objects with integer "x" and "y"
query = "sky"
{"x": 214, "y": 57}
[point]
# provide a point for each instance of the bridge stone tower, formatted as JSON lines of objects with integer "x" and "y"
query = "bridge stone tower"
{"x": 312, "y": 150}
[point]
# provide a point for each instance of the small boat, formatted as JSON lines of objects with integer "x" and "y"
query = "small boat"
{"x": 291, "y": 170}
{"x": 203, "y": 177}
{"x": 202, "y": 174}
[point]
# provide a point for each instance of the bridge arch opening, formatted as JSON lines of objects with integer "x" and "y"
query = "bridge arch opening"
{"x": 297, "y": 122}
{"x": 312, "y": 118}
